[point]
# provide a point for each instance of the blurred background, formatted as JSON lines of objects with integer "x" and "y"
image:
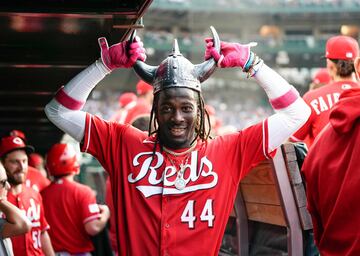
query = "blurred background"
{"x": 291, "y": 36}
{"x": 43, "y": 44}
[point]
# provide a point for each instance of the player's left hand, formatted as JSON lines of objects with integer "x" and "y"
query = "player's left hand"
{"x": 232, "y": 54}
{"x": 121, "y": 55}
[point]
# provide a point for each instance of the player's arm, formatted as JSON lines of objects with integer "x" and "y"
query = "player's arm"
{"x": 65, "y": 109}
{"x": 291, "y": 110}
{"x": 95, "y": 226}
{"x": 16, "y": 222}
{"x": 46, "y": 245}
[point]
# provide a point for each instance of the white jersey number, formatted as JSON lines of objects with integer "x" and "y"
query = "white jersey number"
{"x": 36, "y": 236}
{"x": 206, "y": 214}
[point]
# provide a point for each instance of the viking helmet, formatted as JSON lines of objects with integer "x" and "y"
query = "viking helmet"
{"x": 176, "y": 70}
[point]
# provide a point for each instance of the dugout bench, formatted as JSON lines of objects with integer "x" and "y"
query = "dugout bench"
{"x": 273, "y": 192}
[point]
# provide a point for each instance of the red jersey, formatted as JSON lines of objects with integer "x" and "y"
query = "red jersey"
{"x": 30, "y": 202}
{"x": 68, "y": 206}
{"x": 321, "y": 101}
{"x": 153, "y": 216}
{"x": 35, "y": 180}
{"x": 332, "y": 170}
{"x": 112, "y": 221}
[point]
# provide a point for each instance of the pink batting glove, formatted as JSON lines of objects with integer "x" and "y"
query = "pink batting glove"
{"x": 121, "y": 55}
{"x": 232, "y": 54}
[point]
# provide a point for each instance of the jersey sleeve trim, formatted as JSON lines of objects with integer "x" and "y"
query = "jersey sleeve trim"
{"x": 265, "y": 131}
{"x": 86, "y": 143}
{"x": 265, "y": 138}
{"x": 45, "y": 228}
{"x": 91, "y": 218}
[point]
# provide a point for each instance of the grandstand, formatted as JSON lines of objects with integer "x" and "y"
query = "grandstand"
{"x": 291, "y": 36}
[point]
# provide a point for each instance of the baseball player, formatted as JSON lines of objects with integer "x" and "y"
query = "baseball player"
{"x": 127, "y": 100}
{"x": 332, "y": 178}
{"x": 13, "y": 153}
{"x": 34, "y": 178}
{"x": 340, "y": 54}
{"x": 37, "y": 161}
{"x": 14, "y": 222}
{"x": 321, "y": 78}
{"x": 174, "y": 189}
{"x": 70, "y": 207}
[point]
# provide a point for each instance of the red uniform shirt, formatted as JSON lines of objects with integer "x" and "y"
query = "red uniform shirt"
{"x": 112, "y": 220}
{"x": 35, "y": 180}
{"x": 30, "y": 202}
{"x": 68, "y": 206}
{"x": 321, "y": 101}
{"x": 154, "y": 217}
{"x": 332, "y": 173}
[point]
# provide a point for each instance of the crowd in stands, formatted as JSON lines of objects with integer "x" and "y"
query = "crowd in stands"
{"x": 276, "y": 3}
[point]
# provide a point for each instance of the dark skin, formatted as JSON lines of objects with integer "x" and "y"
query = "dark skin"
{"x": 176, "y": 113}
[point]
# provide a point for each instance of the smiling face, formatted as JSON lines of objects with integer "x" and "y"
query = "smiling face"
{"x": 176, "y": 113}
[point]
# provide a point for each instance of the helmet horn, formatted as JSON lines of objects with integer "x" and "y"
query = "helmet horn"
{"x": 143, "y": 70}
{"x": 207, "y": 68}
{"x": 176, "y": 70}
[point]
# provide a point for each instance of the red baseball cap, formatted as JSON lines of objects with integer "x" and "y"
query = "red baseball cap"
{"x": 35, "y": 159}
{"x": 18, "y": 133}
{"x": 342, "y": 48}
{"x": 322, "y": 76}
{"x": 11, "y": 143}
{"x": 126, "y": 98}
{"x": 143, "y": 87}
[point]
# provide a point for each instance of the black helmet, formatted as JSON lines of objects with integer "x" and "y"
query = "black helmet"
{"x": 176, "y": 70}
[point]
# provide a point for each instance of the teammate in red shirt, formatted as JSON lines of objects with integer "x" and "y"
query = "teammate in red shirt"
{"x": 331, "y": 170}
{"x": 13, "y": 153}
{"x": 71, "y": 207}
{"x": 321, "y": 78}
{"x": 127, "y": 100}
{"x": 37, "y": 161}
{"x": 340, "y": 54}
{"x": 173, "y": 191}
{"x": 143, "y": 103}
{"x": 34, "y": 178}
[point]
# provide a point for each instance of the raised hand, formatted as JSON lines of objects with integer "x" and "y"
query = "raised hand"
{"x": 232, "y": 54}
{"x": 121, "y": 55}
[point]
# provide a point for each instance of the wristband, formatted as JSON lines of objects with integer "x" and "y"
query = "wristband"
{"x": 68, "y": 101}
{"x": 285, "y": 100}
{"x": 249, "y": 62}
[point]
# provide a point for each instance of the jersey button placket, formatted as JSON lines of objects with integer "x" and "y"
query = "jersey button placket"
{"x": 164, "y": 224}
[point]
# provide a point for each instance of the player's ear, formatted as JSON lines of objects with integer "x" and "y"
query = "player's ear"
{"x": 357, "y": 67}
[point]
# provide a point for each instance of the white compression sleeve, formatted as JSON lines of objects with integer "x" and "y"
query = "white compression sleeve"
{"x": 273, "y": 84}
{"x": 287, "y": 120}
{"x": 79, "y": 88}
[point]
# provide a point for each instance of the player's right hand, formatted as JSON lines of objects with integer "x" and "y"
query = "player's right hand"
{"x": 121, "y": 55}
{"x": 232, "y": 54}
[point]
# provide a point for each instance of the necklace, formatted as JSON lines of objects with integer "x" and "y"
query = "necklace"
{"x": 180, "y": 182}
{"x": 180, "y": 153}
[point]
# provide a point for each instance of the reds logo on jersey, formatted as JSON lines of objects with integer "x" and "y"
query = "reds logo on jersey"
{"x": 33, "y": 213}
{"x": 191, "y": 175}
